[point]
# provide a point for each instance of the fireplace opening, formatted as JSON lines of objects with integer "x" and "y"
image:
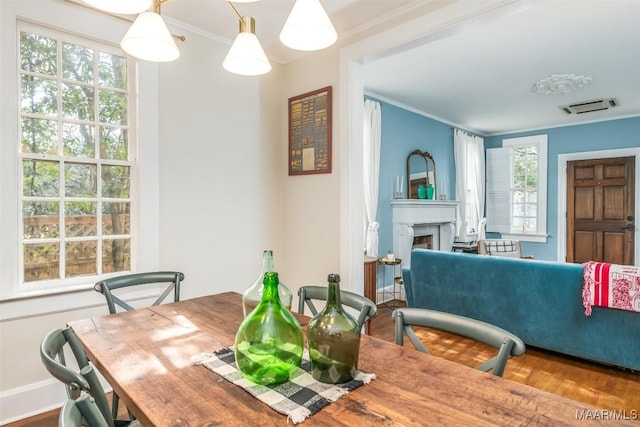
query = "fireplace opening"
{"x": 424, "y": 242}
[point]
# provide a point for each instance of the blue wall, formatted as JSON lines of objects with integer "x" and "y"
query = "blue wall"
{"x": 609, "y": 135}
{"x": 404, "y": 131}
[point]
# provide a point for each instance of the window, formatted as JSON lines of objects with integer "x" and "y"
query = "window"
{"x": 517, "y": 188}
{"x": 75, "y": 157}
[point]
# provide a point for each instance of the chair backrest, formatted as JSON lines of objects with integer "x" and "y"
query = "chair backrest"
{"x": 107, "y": 286}
{"x": 84, "y": 379}
{"x": 366, "y": 307}
{"x": 508, "y": 344}
{"x": 82, "y": 411}
{"x": 500, "y": 247}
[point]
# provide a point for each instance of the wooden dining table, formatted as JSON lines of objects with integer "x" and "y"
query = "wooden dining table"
{"x": 146, "y": 355}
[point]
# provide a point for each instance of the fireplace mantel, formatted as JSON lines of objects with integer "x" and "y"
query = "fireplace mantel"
{"x": 416, "y": 217}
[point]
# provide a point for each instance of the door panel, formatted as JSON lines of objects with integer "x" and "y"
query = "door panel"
{"x": 600, "y": 210}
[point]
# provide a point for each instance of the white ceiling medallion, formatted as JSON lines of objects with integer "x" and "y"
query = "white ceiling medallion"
{"x": 560, "y": 84}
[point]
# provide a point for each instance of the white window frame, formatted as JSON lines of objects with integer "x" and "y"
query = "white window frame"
{"x": 69, "y": 18}
{"x": 71, "y": 282}
{"x": 499, "y": 180}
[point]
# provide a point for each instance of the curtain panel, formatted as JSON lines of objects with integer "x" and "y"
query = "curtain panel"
{"x": 372, "y": 131}
{"x": 468, "y": 151}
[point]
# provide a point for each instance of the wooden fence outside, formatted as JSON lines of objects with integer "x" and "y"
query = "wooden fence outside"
{"x": 43, "y": 261}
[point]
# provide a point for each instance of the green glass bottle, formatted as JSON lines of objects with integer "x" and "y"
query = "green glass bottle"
{"x": 422, "y": 191}
{"x": 334, "y": 339}
{"x": 252, "y": 296}
{"x": 430, "y": 190}
{"x": 269, "y": 342}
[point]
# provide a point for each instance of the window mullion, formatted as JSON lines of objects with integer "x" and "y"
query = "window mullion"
{"x": 80, "y": 173}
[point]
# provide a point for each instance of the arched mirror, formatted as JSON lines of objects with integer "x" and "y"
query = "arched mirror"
{"x": 421, "y": 170}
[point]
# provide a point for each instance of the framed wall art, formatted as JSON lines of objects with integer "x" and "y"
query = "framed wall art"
{"x": 310, "y": 132}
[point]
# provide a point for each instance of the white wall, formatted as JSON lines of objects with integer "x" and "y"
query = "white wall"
{"x": 311, "y": 207}
{"x": 212, "y": 165}
{"x": 216, "y": 172}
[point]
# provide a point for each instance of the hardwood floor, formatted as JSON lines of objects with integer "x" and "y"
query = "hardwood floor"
{"x": 602, "y": 386}
{"x": 599, "y": 385}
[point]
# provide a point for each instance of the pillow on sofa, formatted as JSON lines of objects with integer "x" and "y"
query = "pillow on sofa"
{"x": 503, "y": 247}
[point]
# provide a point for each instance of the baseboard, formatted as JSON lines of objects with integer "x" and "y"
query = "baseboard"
{"x": 34, "y": 399}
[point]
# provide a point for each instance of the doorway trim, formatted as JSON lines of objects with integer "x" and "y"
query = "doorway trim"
{"x": 563, "y": 159}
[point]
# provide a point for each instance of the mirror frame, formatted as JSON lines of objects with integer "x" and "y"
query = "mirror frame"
{"x": 428, "y": 159}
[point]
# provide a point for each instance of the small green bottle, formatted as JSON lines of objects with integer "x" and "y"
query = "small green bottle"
{"x": 334, "y": 339}
{"x": 269, "y": 342}
{"x": 422, "y": 191}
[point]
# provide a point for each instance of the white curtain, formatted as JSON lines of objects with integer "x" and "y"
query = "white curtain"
{"x": 468, "y": 151}
{"x": 372, "y": 126}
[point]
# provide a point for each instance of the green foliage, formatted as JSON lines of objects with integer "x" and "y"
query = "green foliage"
{"x": 88, "y": 87}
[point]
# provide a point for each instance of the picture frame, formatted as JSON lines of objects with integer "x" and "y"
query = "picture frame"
{"x": 310, "y": 132}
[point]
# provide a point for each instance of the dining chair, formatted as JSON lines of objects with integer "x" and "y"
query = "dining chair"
{"x": 501, "y": 247}
{"x": 508, "y": 344}
{"x": 85, "y": 379}
{"x": 367, "y": 308}
{"x": 80, "y": 412}
{"x": 107, "y": 286}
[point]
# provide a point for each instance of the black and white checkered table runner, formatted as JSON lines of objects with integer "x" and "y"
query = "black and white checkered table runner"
{"x": 298, "y": 398}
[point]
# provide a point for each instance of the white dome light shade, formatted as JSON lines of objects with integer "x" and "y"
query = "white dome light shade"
{"x": 246, "y": 57}
{"x": 149, "y": 39}
{"x": 124, "y": 7}
{"x": 308, "y": 27}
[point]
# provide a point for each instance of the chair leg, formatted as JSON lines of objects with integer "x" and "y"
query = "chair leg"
{"x": 114, "y": 406}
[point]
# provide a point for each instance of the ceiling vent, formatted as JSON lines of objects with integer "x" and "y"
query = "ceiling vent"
{"x": 590, "y": 106}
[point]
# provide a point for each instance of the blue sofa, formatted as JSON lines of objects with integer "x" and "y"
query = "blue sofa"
{"x": 539, "y": 301}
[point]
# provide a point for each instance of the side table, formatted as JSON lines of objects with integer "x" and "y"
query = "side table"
{"x": 395, "y": 293}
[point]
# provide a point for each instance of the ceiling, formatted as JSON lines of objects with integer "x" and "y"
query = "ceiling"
{"x": 479, "y": 76}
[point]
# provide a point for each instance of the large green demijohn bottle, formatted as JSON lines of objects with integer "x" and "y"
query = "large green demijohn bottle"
{"x": 334, "y": 339}
{"x": 269, "y": 342}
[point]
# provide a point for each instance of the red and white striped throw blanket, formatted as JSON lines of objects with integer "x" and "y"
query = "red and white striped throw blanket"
{"x": 611, "y": 285}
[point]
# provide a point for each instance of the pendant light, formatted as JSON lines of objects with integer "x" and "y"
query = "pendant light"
{"x": 308, "y": 27}
{"x": 149, "y": 38}
{"x": 124, "y": 7}
{"x": 246, "y": 56}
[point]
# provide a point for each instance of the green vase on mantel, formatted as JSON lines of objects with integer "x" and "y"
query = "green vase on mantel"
{"x": 252, "y": 296}
{"x": 422, "y": 191}
{"x": 269, "y": 342}
{"x": 430, "y": 190}
{"x": 334, "y": 339}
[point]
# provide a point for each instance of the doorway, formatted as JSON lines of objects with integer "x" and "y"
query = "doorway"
{"x": 600, "y": 210}
{"x": 598, "y": 203}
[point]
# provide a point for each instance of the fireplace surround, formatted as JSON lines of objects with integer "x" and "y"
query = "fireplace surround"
{"x": 416, "y": 217}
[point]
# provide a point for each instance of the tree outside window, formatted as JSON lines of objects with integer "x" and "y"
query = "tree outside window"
{"x": 75, "y": 158}
{"x": 517, "y": 188}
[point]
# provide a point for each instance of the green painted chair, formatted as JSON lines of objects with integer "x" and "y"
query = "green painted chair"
{"x": 107, "y": 286}
{"x": 81, "y": 412}
{"x": 367, "y": 308}
{"x": 84, "y": 379}
{"x": 508, "y": 344}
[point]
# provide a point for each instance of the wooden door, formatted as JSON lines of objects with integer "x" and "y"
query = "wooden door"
{"x": 600, "y": 210}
